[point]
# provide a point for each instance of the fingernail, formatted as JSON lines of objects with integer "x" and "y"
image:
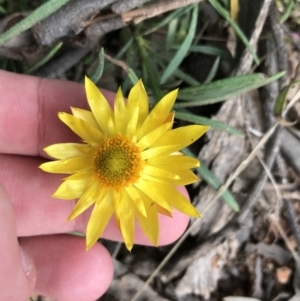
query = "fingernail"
{"x": 26, "y": 262}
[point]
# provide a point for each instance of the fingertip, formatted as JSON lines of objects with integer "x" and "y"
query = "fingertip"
{"x": 65, "y": 271}
{"x": 17, "y": 270}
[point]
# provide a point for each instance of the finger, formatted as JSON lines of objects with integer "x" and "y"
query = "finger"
{"x": 28, "y": 112}
{"x": 16, "y": 267}
{"x": 65, "y": 271}
{"x": 38, "y": 213}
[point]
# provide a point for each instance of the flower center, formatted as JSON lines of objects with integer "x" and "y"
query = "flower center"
{"x": 117, "y": 162}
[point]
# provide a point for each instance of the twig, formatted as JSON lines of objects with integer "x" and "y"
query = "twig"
{"x": 293, "y": 221}
{"x": 275, "y": 222}
{"x": 141, "y": 14}
{"x": 273, "y": 146}
{"x": 119, "y": 63}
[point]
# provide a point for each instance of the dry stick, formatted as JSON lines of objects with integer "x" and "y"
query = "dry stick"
{"x": 274, "y": 221}
{"x": 262, "y": 16}
{"x": 293, "y": 221}
{"x": 272, "y": 150}
{"x": 119, "y": 63}
{"x": 141, "y": 14}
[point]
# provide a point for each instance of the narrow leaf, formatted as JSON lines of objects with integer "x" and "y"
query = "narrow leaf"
{"x": 224, "y": 13}
{"x": 184, "y": 48}
{"x": 36, "y": 16}
{"x": 46, "y": 59}
{"x": 206, "y": 121}
{"x": 223, "y": 89}
{"x": 95, "y": 77}
{"x": 214, "y": 182}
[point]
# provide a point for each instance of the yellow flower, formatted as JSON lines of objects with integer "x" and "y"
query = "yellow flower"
{"x": 128, "y": 164}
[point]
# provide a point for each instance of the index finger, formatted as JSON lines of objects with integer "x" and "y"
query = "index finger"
{"x": 29, "y": 108}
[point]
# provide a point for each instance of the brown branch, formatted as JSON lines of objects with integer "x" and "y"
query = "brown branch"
{"x": 141, "y": 14}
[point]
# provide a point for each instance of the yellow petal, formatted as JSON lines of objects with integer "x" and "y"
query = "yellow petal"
{"x": 99, "y": 219}
{"x": 138, "y": 96}
{"x": 149, "y": 224}
{"x": 83, "y": 129}
{"x": 132, "y": 123}
{"x": 177, "y": 200}
{"x": 173, "y": 162}
{"x": 150, "y": 189}
{"x": 185, "y": 177}
{"x": 127, "y": 222}
{"x": 120, "y": 113}
{"x": 85, "y": 174}
{"x": 99, "y": 106}
{"x": 88, "y": 198}
{"x": 156, "y": 151}
{"x": 68, "y": 166}
{"x": 159, "y": 113}
{"x": 159, "y": 172}
{"x": 170, "y": 117}
{"x": 70, "y": 190}
{"x": 163, "y": 211}
{"x": 64, "y": 151}
{"x": 151, "y": 137}
{"x": 86, "y": 116}
{"x": 182, "y": 136}
{"x": 135, "y": 197}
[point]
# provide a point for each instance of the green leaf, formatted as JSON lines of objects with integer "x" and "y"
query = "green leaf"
{"x": 184, "y": 48}
{"x": 2, "y": 10}
{"x": 214, "y": 182}
{"x": 288, "y": 10}
{"x": 176, "y": 14}
{"x": 206, "y": 121}
{"x": 209, "y": 50}
{"x": 172, "y": 30}
{"x": 36, "y": 16}
{"x": 132, "y": 76}
{"x": 213, "y": 71}
{"x": 149, "y": 69}
{"x": 224, "y": 13}
{"x": 280, "y": 102}
{"x": 95, "y": 77}
{"x": 46, "y": 59}
{"x": 124, "y": 48}
{"x": 186, "y": 78}
{"x": 221, "y": 90}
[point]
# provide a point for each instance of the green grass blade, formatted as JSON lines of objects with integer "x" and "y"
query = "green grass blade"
{"x": 207, "y": 121}
{"x": 132, "y": 76}
{"x": 213, "y": 71}
{"x": 176, "y": 14}
{"x": 221, "y": 90}
{"x": 36, "y": 16}
{"x": 46, "y": 59}
{"x": 224, "y": 13}
{"x": 124, "y": 49}
{"x": 95, "y": 77}
{"x": 172, "y": 30}
{"x": 214, "y": 182}
{"x": 184, "y": 48}
{"x": 280, "y": 102}
{"x": 2, "y": 10}
{"x": 149, "y": 69}
{"x": 288, "y": 10}
{"x": 186, "y": 78}
{"x": 210, "y": 50}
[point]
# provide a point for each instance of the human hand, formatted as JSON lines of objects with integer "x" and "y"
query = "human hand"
{"x": 58, "y": 265}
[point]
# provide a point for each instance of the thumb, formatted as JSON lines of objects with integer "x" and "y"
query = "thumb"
{"x": 17, "y": 271}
